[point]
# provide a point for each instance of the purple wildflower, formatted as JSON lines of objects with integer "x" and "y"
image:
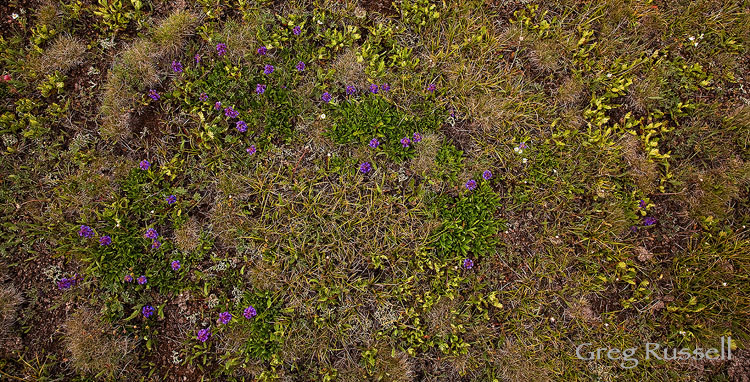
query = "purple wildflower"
{"x": 175, "y": 265}
{"x": 155, "y": 244}
{"x": 471, "y": 184}
{"x": 385, "y": 87}
{"x": 144, "y": 165}
{"x": 251, "y": 150}
{"x": 365, "y": 167}
{"x": 373, "y": 89}
{"x": 142, "y": 280}
{"x": 262, "y": 50}
{"x": 487, "y": 174}
{"x": 300, "y": 66}
{"x": 522, "y": 146}
{"x": 649, "y": 220}
{"x": 221, "y": 48}
{"x": 151, "y": 234}
{"x": 171, "y": 199}
{"x": 231, "y": 113}
{"x": 326, "y": 97}
{"x": 374, "y": 143}
{"x": 197, "y": 58}
{"x": 176, "y": 66}
{"x": 203, "y": 97}
{"x": 154, "y": 95}
{"x": 268, "y": 69}
{"x": 297, "y": 30}
{"x": 260, "y": 89}
{"x": 203, "y": 335}
{"x": 642, "y": 204}
{"x": 128, "y": 278}
{"x": 405, "y": 142}
{"x": 105, "y": 240}
{"x": 86, "y": 231}
{"x": 241, "y": 126}
{"x": 250, "y": 312}
{"x": 66, "y": 283}
{"x": 147, "y": 311}
{"x": 416, "y": 138}
{"x": 431, "y": 88}
{"x": 468, "y": 263}
{"x": 217, "y": 105}
{"x": 225, "y": 317}
{"x": 350, "y": 90}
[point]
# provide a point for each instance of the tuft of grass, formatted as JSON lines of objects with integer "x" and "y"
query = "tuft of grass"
{"x": 95, "y": 347}
{"x": 10, "y": 300}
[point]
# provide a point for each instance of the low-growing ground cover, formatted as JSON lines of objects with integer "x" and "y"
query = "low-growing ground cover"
{"x": 373, "y": 191}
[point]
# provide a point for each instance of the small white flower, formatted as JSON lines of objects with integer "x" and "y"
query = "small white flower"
{"x": 724, "y": 284}
{"x": 323, "y": 116}
{"x": 516, "y": 149}
{"x": 152, "y": 211}
{"x": 701, "y": 36}
{"x": 14, "y": 16}
{"x": 524, "y": 160}
{"x": 609, "y": 75}
{"x": 320, "y": 22}
{"x": 691, "y": 38}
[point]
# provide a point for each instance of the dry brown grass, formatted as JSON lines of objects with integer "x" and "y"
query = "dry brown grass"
{"x": 95, "y": 347}
{"x": 64, "y": 54}
{"x": 10, "y": 299}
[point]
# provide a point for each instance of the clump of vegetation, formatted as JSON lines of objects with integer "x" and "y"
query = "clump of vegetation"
{"x": 95, "y": 347}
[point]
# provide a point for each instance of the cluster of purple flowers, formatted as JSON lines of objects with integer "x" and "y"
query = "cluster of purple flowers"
{"x": 203, "y": 97}
{"x": 431, "y": 88}
{"x": 175, "y": 265}
{"x": 105, "y": 240}
{"x": 171, "y": 199}
{"x": 144, "y": 165}
{"x": 217, "y": 105}
{"x": 642, "y": 204}
{"x": 373, "y": 89}
{"x": 250, "y": 312}
{"x": 268, "y": 69}
{"x": 221, "y": 48}
{"x": 649, "y": 220}
{"x": 66, "y": 283}
{"x": 203, "y": 335}
{"x": 241, "y": 126}
{"x": 365, "y": 167}
{"x": 471, "y": 184}
{"x": 225, "y": 317}
{"x": 128, "y": 279}
{"x": 260, "y": 89}
{"x": 262, "y": 50}
{"x": 86, "y": 231}
{"x": 300, "y": 66}
{"x": 415, "y": 138}
{"x": 297, "y": 30}
{"x": 154, "y": 95}
{"x": 176, "y": 66}
{"x": 326, "y": 97}
{"x": 142, "y": 280}
{"x": 147, "y": 311}
{"x": 251, "y": 150}
{"x": 468, "y": 263}
{"x": 231, "y": 113}
{"x": 197, "y": 58}
{"x": 385, "y": 87}
{"x": 350, "y": 90}
{"x": 487, "y": 175}
{"x": 152, "y": 234}
{"x": 405, "y": 142}
{"x": 374, "y": 143}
